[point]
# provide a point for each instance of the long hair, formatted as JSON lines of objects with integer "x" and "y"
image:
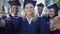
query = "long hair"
{"x": 33, "y": 15}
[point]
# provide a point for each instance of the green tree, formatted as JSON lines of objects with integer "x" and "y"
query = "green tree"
{"x": 58, "y": 3}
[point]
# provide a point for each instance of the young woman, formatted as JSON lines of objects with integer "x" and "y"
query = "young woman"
{"x": 29, "y": 24}
{"x": 52, "y": 13}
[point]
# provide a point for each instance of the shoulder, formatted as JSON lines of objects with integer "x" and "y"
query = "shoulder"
{"x": 44, "y": 16}
{"x": 20, "y": 18}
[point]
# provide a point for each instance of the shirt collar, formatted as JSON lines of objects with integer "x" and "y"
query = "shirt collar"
{"x": 12, "y": 14}
{"x": 51, "y": 21}
{"x": 29, "y": 20}
{"x": 40, "y": 15}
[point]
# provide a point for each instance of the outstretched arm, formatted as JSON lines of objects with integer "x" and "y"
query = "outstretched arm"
{"x": 2, "y": 23}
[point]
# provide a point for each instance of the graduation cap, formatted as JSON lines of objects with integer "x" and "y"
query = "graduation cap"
{"x": 29, "y": 1}
{"x": 40, "y": 5}
{"x": 17, "y": 3}
{"x": 54, "y": 6}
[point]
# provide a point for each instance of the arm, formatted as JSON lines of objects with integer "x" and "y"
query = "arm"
{"x": 56, "y": 23}
{"x": 2, "y": 23}
{"x": 52, "y": 28}
{"x": 5, "y": 23}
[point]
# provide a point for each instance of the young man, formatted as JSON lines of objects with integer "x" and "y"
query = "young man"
{"x": 44, "y": 27}
{"x": 13, "y": 22}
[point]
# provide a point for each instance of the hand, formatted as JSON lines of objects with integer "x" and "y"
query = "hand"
{"x": 7, "y": 18}
{"x": 56, "y": 22}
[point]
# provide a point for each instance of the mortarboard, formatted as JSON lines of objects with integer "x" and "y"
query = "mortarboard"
{"x": 17, "y": 3}
{"x": 40, "y": 5}
{"x": 29, "y": 1}
{"x": 54, "y": 6}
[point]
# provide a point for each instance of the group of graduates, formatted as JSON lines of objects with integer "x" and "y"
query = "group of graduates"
{"x": 29, "y": 23}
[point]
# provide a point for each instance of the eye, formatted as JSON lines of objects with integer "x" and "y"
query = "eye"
{"x": 31, "y": 7}
{"x": 26, "y": 7}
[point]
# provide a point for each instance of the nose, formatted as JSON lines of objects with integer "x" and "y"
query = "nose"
{"x": 29, "y": 9}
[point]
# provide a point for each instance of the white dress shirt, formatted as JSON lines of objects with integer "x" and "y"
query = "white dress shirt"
{"x": 29, "y": 20}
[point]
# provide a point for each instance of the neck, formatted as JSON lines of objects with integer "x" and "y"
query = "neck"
{"x": 40, "y": 13}
{"x": 15, "y": 14}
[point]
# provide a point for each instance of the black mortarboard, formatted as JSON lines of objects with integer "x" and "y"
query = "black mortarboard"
{"x": 17, "y": 3}
{"x": 29, "y": 1}
{"x": 40, "y": 5}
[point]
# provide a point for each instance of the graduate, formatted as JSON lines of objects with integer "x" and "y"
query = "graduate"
{"x": 14, "y": 9}
{"x": 13, "y": 21}
{"x": 40, "y": 16}
{"x": 43, "y": 26}
{"x": 52, "y": 13}
{"x": 29, "y": 24}
{"x": 40, "y": 10}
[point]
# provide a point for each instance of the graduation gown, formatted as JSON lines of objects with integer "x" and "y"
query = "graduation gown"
{"x": 12, "y": 26}
{"x": 43, "y": 25}
{"x": 55, "y": 32}
{"x": 7, "y": 28}
{"x": 27, "y": 28}
{"x": 43, "y": 17}
{"x": 16, "y": 24}
{"x": 1, "y": 30}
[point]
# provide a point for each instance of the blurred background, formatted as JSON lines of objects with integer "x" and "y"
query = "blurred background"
{"x": 45, "y": 2}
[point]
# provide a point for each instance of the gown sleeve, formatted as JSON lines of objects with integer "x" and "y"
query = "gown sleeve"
{"x": 8, "y": 27}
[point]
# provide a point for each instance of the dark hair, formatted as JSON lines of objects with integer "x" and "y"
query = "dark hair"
{"x": 56, "y": 14}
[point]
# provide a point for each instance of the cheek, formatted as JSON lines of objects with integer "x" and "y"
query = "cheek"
{"x": 12, "y": 9}
{"x": 51, "y": 14}
{"x": 32, "y": 10}
{"x": 39, "y": 11}
{"x": 26, "y": 10}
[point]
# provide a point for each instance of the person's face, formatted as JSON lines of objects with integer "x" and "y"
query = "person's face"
{"x": 29, "y": 9}
{"x": 51, "y": 13}
{"x": 40, "y": 10}
{"x": 14, "y": 9}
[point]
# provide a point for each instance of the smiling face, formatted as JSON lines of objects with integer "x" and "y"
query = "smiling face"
{"x": 14, "y": 9}
{"x": 40, "y": 10}
{"x": 29, "y": 8}
{"x": 51, "y": 13}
